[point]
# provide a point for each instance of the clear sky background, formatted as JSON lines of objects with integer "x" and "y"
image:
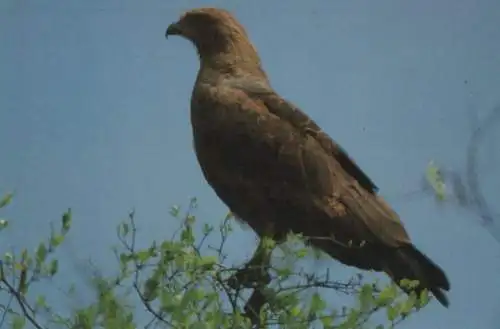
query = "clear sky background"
{"x": 94, "y": 115}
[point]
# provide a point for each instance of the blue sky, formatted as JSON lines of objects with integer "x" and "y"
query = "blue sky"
{"x": 94, "y": 107}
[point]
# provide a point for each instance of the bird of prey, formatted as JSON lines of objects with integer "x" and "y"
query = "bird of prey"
{"x": 276, "y": 169}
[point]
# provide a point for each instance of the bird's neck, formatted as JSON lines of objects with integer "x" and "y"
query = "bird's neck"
{"x": 231, "y": 58}
{"x": 232, "y": 65}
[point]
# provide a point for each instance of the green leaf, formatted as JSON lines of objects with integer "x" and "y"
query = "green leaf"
{"x": 56, "y": 240}
{"x": 41, "y": 302}
{"x": 436, "y": 181}
{"x": 174, "y": 211}
{"x": 189, "y": 297}
{"x": 18, "y": 322}
{"x": 3, "y": 224}
{"x": 301, "y": 253}
{"x": 23, "y": 286}
{"x": 317, "y": 303}
{"x": 125, "y": 229}
{"x": 198, "y": 294}
{"x": 366, "y": 297}
{"x": 295, "y": 311}
{"x": 327, "y": 321}
{"x": 190, "y": 220}
{"x": 41, "y": 253}
{"x": 66, "y": 221}
{"x": 178, "y": 313}
{"x": 8, "y": 258}
{"x": 53, "y": 267}
{"x": 151, "y": 288}
{"x": 207, "y": 262}
{"x": 187, "y": 235}
{"x": 124, "y": 259}
{"x": 200, "y": 325}
{"x": 408, "y": 305}
{"x": 143, "y": 256}
{"x": 6, "y": 200}
{"x": 409, "y": 284}
{"x": 24, "y": 256}
{"x": 283, "y": 272}
{"x": 352, "y": 320}
{"x": 284, "y": 300}
{"x": 387, "y": 295}
{"x": 424, "y": 298}
{"x": 207, "y": 229}
{"x": 267, "y": 243}
{"x": 392, "y": 313}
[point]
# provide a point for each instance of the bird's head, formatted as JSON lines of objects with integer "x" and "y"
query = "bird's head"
{"x": 204, "y": 25}
{"x": 214, "y": 32}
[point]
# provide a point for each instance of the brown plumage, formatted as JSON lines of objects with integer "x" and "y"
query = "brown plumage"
{"x": 277, "y": 170}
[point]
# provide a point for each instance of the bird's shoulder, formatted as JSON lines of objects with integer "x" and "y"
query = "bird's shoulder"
{"x": 258, "y": 91}
{"x": 218, "y": 103}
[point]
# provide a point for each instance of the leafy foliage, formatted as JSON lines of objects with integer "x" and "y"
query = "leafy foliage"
{"x": 184, "y": 282}
{"x": 435, "y": 179}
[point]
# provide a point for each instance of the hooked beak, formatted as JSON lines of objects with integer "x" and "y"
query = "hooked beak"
{"x": 173, "y": 29}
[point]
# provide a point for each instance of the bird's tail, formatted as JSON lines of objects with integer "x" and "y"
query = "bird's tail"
{"x": 410, "y": 263}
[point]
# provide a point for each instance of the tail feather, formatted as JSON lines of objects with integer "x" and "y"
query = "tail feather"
{"x": 409, "y": 263}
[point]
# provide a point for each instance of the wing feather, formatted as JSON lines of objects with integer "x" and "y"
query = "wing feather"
{"x": 256, "y": 88}
{"x": 327, "y": 173}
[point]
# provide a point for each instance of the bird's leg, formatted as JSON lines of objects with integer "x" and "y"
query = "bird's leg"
{"x": 255, "y": 272}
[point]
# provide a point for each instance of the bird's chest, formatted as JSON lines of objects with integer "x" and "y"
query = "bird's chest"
{"x": 228, "y": 168}
{"x": 224, "y": 147}
{"x": 235, "y": 149}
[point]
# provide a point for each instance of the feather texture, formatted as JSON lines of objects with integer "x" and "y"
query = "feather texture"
{"x": 274, "y": 167}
